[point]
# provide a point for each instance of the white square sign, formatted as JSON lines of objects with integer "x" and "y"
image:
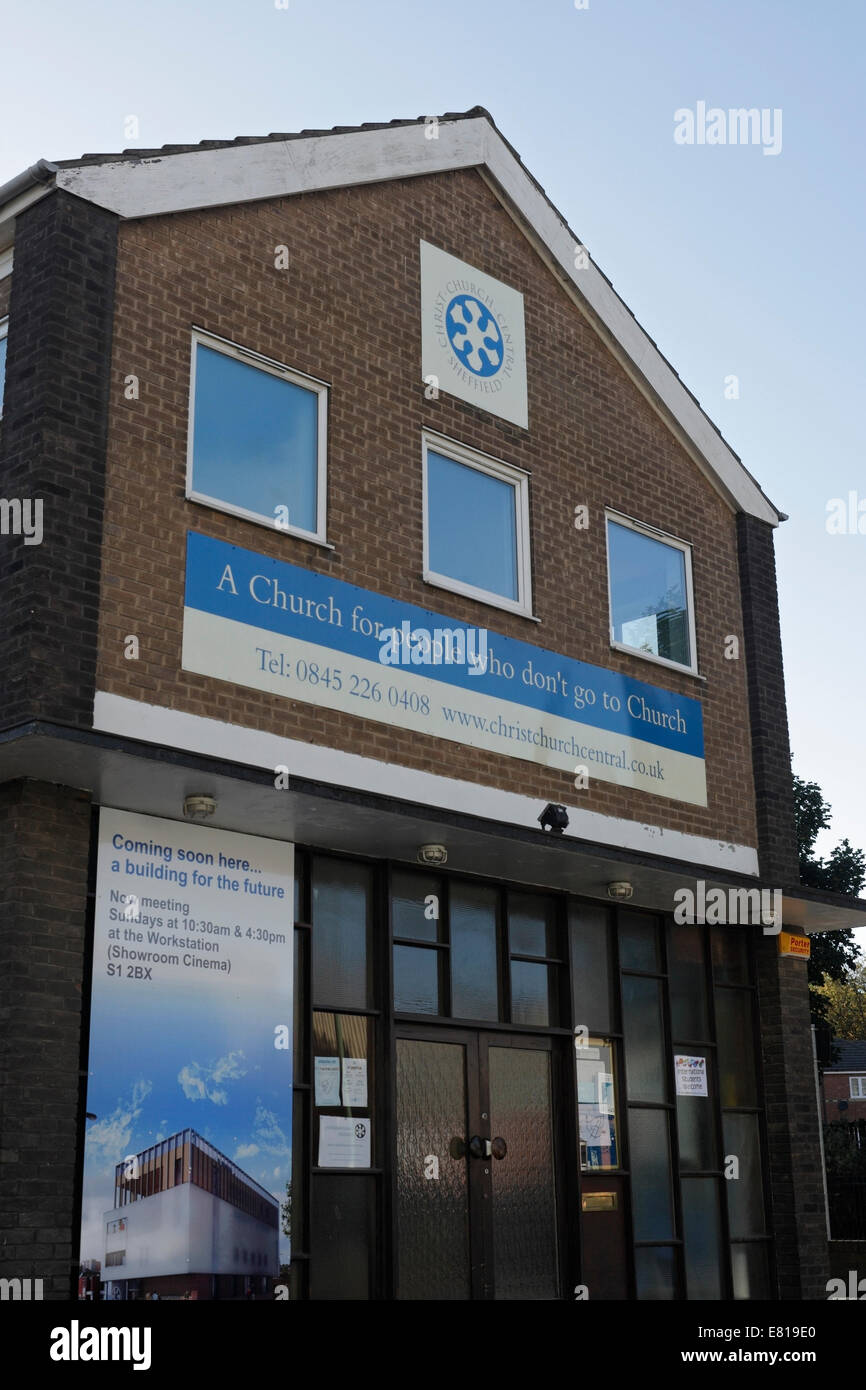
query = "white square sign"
{"x": 473, "y": 339}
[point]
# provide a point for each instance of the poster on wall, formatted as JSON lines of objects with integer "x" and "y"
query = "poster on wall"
{"x": 187, "y": 1162}
{"x": 691, "y": 1075}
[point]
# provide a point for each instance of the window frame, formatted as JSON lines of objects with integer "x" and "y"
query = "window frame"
{"x": 860, "y": 1093}
{"x": 283, "y": 372}
{"x": 656, "y": 534}
{"x": 510, "y": 473}
{"x": 4, "y": 330}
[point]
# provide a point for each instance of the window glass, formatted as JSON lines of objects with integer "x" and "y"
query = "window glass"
{"x": 737, "y": 1081}
{"x": 746, "y": 1194}
{"x": 645, "y": 1071}
{"x": 340, "y": 1043}
{"x": 730, "y": 956}
{"x": 531, "y": 994}
{"x": 472, "y": 527}
{"x": 650, "y": 1163}
{"x": 590, "y": 971}
{"x": 342, "y": 894}
{"x": 255, "y": 439}
{"x": 702, "y": 1238}
{"x": 416, "y": 980}
{"x": 344, "y": 1219}
{"x": 2, "y": 363}
{"x": 638, "y": 942}
{"x": 688, "y": 984}
{"x": 474, "y": 979}
{"x": 750, "y": 1271}
{"x": 648, "y": 594}
{"x": 655, "y": 1273}
{"x": 696, "y": 1125}
{"x": 302, "y": 955}
{"x": 415, "y": 906}
{"x": 531, "y": 929}
{"x": 596, "y": 1105}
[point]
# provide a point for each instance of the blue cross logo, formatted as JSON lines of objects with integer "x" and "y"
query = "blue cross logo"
{"x": 474, "y": 335}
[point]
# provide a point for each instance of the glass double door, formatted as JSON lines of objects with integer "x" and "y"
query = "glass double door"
{"x": 476, "y": 1204}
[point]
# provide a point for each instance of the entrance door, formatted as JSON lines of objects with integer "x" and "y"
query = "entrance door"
{"x": 475, "y": 1181}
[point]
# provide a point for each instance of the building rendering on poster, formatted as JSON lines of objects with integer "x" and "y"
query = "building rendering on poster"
{"x": 273, "y": 626}
{"x": 187, "y": 1168}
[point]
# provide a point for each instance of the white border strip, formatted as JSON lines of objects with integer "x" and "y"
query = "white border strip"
{"x": 170, "y": 728}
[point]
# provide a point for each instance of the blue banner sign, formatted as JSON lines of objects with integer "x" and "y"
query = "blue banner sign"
{"x": 274, "y": 626}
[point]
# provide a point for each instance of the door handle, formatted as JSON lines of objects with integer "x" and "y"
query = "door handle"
{"x": 487, "y": 1148}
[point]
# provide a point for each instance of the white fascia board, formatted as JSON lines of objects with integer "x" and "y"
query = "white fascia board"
{"x": 171, "y": 183}
{"x": 192, "y": 733}
{"x": 725, "y": 470}
{"x": 10, "y": 211}
{"x": 274, "y": 169}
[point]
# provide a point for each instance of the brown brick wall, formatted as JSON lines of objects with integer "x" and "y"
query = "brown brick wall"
{"x": 837, "y": 1087}
{"x": 792, "y": 1119}
{"x": 347, "y": 311}
{"x": 44, "y": 855}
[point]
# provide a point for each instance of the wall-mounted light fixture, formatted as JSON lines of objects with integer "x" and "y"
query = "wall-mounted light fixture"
{"x": 619, "y": 890}
{"x": 432, "y": 854}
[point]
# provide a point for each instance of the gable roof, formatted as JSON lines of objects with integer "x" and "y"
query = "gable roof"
{"x": 852, "y": 1056}
{"x": 179, "y": 178}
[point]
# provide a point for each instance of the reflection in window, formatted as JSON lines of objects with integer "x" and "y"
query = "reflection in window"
{"x": 257, "y": 440}
{"x": 649, "y": 594}
{"x": 596, "y": 1105}
{"x": 2, "y": 363}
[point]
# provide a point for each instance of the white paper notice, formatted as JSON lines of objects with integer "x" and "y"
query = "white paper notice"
{"x": 691, "y": 1074}
{"x": 327, "y": 1075}
{"x": 355, "y": 1082}
{"x": 343, "y": 1143}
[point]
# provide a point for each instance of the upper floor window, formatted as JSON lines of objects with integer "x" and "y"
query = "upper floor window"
{"x": 651, "y": 604}
{"x": 257, "y": 440}
{"x": 858, "y": 1087}
{"x": 476, "y": 525}
{"x": 4, "y": 327}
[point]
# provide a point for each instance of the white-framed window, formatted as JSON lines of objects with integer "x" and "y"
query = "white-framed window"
{"x": 476, "y": 524}
{"x": 858, "y": 1087}
{"x": 257, "y": 442}
{"x": 652, "y": 612}
{"x": 4, "y": 329}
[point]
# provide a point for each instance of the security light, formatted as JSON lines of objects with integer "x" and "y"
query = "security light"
{"x": 554, "y": 818}
{"x": 199, "y": 807}
{"x": 620, "y": 890}
{"x": 432, "y": 854}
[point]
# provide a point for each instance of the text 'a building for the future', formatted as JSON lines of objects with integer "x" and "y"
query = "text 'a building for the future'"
{"x": 395, "y": 800}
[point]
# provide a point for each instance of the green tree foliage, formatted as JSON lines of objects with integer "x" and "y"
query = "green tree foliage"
{"x": 846, "y": 1004}
{"x": 834, "y": 954}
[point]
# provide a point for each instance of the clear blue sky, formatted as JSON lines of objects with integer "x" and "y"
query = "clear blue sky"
{"x": 736, "y": 263}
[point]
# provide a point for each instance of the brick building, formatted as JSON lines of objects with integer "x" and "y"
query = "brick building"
{"x": 844, "y": 1083}
{"x": 344, "y": 496}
